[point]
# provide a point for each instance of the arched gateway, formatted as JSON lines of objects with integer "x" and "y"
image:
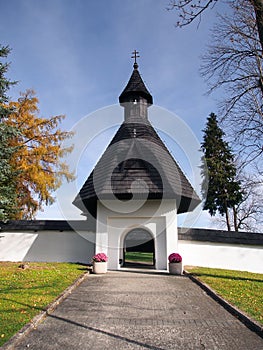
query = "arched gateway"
{"x": 136, "y": 183}
{"x": 138, "y": 248}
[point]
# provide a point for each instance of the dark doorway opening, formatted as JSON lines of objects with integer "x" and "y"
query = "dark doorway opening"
{"x": 139, "y": 249}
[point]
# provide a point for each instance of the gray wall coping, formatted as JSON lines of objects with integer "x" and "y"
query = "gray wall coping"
{"x": 46, "y": 225}
{"x": 186, "y": 234}
{"x": 220, "y": 236}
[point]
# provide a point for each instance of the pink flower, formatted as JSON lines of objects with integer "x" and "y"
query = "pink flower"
{"x": 100, "y": 257}
{"x": 175, "y": 258}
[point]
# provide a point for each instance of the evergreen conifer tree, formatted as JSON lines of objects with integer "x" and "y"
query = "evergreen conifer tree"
{"x": 219, "y": 185}
{"x": 7, "y": 172}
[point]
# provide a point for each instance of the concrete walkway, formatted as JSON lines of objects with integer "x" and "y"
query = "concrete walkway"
{"x": 137, "y": 310}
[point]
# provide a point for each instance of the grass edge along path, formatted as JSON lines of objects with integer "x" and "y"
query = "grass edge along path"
{"x": 241, "y": 290}
{"x": 25, "y": 294}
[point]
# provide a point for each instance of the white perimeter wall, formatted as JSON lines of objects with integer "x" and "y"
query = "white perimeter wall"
{"x": 79, "y": 247}
{"x": 223, "y": 256}
{"x": 53, "y": 246}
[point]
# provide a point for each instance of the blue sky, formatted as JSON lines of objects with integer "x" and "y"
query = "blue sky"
{"x": 76, "y": 56}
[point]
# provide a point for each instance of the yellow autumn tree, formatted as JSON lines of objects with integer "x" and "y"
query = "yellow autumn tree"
{"x": 39, "y": 154}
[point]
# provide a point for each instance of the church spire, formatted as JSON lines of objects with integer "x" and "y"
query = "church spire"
{"x": 135, "y": 87}
{"x": 135, "y": 98}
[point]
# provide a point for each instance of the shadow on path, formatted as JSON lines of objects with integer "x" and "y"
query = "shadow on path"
{"x": 97, "y": 330}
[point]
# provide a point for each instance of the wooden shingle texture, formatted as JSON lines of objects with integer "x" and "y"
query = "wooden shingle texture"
{"x": 140, "y": 165}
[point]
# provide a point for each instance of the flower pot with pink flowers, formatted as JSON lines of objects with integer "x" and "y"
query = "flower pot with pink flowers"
{"x": 175, "y": 264}
{"x": 100, "y": 263}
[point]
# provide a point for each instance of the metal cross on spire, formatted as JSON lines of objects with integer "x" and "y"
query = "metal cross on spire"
{"x": 135, "y": 55}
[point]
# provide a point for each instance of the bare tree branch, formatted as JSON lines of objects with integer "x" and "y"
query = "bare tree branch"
{"x": 233, "y": 64}
{"x": 189, "y": 10}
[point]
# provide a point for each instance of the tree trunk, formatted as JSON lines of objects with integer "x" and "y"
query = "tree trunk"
{"x": 258, "y": 7}
{"x": 227, "y": 220}
{"x": 235, "y": 219}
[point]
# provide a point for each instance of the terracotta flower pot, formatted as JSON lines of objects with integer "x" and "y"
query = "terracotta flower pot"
{"x": 176, "y": 268}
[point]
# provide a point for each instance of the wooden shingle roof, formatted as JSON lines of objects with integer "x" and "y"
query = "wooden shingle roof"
{"x": 136, "y": 162}
{"x": 135, "y": 86}
{"x": 140, "y": 165}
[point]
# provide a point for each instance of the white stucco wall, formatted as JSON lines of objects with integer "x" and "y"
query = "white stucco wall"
{"x": 158, "y": 217}
{"x": 223, "y": 256}
{"x": 53, "y": 246}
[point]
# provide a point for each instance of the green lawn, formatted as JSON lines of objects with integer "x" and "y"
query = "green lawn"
{"x": 139, "y": 257}
{"x": 25, "y": 292}
{"x": 242, "y": 289}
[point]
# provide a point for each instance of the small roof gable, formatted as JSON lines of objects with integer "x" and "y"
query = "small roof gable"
{"x": 135, "y": 87}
